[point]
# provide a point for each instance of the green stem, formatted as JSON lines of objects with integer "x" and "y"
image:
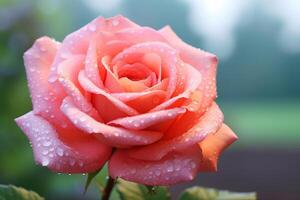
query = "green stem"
{"x": 108, "y": 188}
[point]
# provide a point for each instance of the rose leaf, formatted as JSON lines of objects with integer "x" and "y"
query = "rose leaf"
{"x": 133, "y": 191}
{"x": 10, "y": 192}
{"x": 201, "y": 193}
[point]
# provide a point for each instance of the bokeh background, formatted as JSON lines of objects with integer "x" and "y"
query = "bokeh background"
{"x": 258, "y": 43}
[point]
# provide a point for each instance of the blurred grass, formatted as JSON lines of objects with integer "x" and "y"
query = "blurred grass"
{"x": 273, "y": 123}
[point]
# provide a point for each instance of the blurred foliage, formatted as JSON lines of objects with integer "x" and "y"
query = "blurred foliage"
{"x": 10, "y": 192}
{"x": 132, "y": 191}
{"x": 201, "y": 193}
{"x": 258, "y": 85}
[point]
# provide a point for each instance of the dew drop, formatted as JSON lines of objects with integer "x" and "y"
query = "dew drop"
{"x": 92, "y": 27}
{"x": 170, "y": 168}
{"x": 115, "y": 22}
{"x": 46, "y": 143}
{"x": 157, "y": 172}
{"x": 72, "y": 162}
{"x": 45, "y": 152}
{"x": 60, "y": 151}
{"x": 45, "y": 162}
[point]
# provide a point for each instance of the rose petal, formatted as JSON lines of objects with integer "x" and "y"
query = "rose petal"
{"x": 144, "y": 121}
{"x": 213, "y": 146}
{"x": 45, "y": 99}
{"x": 168, "y": 56}
{"x": 129, "y": 96}
{"x": 68, "y": 72}
{"x": 208, "y": 124}
{"x": 149, "y": 101}
{"x": 79, "y": 156}
{"x": 90, "y": 87}
{"x": 95, "y": 73}
{"x": 172, "y": 101}
{"x": 172, "y": 169}
{"x": 111, "y": 81}
{"x": 153, "y": 61}
{"x": 139, "y": 35}
{"x": 203, "y": 61}
{"x": 112, "y": 135}
{"x": 78, "y": 41}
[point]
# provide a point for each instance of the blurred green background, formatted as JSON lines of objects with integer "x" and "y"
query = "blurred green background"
{"x": 258, "y": 43}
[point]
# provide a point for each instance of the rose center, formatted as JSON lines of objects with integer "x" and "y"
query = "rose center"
{"x": 134, "y": 72}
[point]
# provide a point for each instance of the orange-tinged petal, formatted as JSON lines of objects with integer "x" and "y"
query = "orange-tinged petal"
{"x": 213, "y": 146}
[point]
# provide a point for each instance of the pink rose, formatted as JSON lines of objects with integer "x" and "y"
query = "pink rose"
{"x": 116, "y": 85}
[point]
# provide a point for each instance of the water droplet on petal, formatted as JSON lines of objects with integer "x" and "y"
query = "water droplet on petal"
{"x": 115, "y": 22}
{"x": 45, "y": 162}
{"x": 92, "y": 27}
{"x": 46, "y": 143}
{"x": 170, "y": 168}
{"x": 45, "y": 152}
{"x": 60, "y": 151}
{"x": 157, "y": 172}
{"x": 72, "y": 162}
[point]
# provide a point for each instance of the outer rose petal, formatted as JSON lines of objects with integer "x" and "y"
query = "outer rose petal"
{"x": 78, "y": 41}
{"x": 205, "y": 62}
{"x": 172, "y": 169}
{"x": 115, "y": 136}
{"x": 207, "y": 124}
{"x": 86, "y": 155}
{"x": 68, "y": 71}
{"x": 212, "y": 147}
{"x": 45, "y": 99}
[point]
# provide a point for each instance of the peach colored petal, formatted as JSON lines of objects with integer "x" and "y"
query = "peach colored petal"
{"x": 132, "y": 86}
{"x": 45, "y": 100}
{"x": 111, "y": 135}
{"x": 111, "y": 81}
{"x": 92, "y": 70}
{"x": 68, "y": 71}
{"x": 114, "y": 46}
{"x": 172, "y": 169}
{"x": 78, "y": 41}
{"x": 144, "y": 121}
{"x": 129, "y": 96}
{"x": 139, "y": 35}
{"x": 208, "y": 124}
{"x": 146, "y": 102}
{"x": 213, "y": 146}
{"x": 90, "y": 87}
{"x": 172, "y": 101}
{"x": 162, "y": 85}
{"x": 168, "y": 55}
{"x": 203, "y": 61}
{"x": 153, "y": 61}
{"x": 82, "y": 156}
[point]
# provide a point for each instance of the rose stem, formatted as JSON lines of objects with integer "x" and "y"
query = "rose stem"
{"x": 108, "y": 188}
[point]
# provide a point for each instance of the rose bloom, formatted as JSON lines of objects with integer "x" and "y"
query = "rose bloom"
{"x": 139, "y": 98}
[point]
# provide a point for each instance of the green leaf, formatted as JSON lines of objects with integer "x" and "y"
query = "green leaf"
{"x": 89, "y": 179}
{"x": 201, "y": 193}
{"x": 132, "y": 191}
{"x": 10, "y": 192}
